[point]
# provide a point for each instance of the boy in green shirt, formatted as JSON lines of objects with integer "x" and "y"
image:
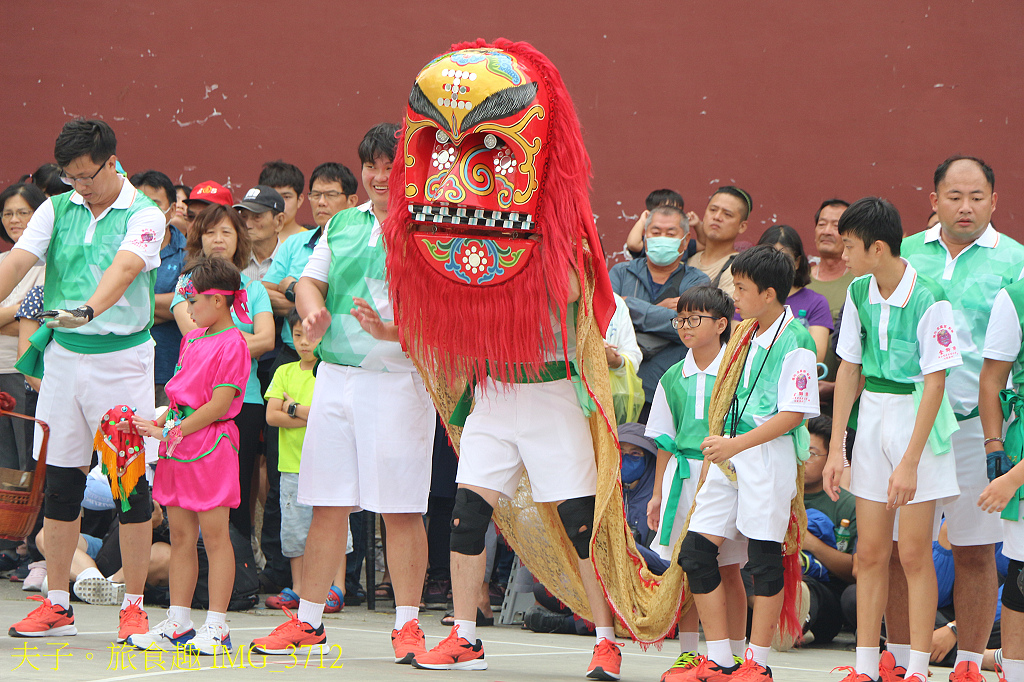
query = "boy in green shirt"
{"x": 777, "y": 391}
{"x": 897, "y": 332}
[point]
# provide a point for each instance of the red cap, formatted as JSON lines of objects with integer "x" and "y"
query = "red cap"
{"x": 211, "y": 192}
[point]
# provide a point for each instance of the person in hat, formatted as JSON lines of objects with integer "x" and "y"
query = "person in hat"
{"x": 262, "y": 209}
{"x": 205, "y": 194}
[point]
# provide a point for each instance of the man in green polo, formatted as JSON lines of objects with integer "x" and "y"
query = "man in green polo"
{"x": 101, "y": 244}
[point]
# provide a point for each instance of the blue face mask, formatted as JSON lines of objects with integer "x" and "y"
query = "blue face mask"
{"x": 633, "y": 467}
{"x": 663, "y": 250}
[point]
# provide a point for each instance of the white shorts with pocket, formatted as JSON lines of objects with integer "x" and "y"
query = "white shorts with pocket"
{"x": 368, "y": 441}
{"x": 731, "y": 552}
{"x": 537, "y": 426}
{"x": 758, "y": 505}
{"x": 78, "y": 388}
{"x": 884, "y": 428}
{"x": 966, "y": 523}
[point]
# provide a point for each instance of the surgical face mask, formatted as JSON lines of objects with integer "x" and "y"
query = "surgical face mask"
{"x": 663, "y": 250}
{"x": 632, "y": 467}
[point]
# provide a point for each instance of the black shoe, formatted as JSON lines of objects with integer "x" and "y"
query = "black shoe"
{"x": 268, "y": 585}
{"x": 354, "y": 594}
{"x": 437, "y": 593}
{"x": 539, "y": 619}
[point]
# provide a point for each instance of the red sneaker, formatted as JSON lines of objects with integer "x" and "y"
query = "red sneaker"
{"x": 888, "y": 671}
{"x": 408, "y": 642}
{"x": 966, "y": 671}
{"x": 134, "y": 621}
{"x": 291, "y": 637}
{"x": 752, "y": 671}
{"x": 709, "y": 671}
{"x": 453, "y": 653}
{"x": 607, "y": 660}
{"x": 684, "y": 669}
{"x": 852, "y": 675}
{"x": 47, "y": 620}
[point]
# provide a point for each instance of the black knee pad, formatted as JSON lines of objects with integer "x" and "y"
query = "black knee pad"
{"x": 469, "y": 522}
{"x": 698, "y": 557}
{"x": 65, "y": 488}
{"x": 140, "y": 509}
{"x": 1013, "y": 588}
{"x": 764, "y": 562}
{"x": 577, "y": 516}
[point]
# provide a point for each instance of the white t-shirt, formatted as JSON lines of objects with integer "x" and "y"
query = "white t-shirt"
{"x": 1003, "y": 338}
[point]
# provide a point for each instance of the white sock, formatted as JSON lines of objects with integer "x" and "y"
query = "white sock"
{"x": 688, "y": 642}
{"x": 311, "y": 613}
{"x": 606, "y": 633}
{"x": 720, "y": 653}
{"x": 91, "y": 572}
{"x": 962, "y": 655}
{"x": 467, "y": 630}
{"x": 760, "y": 653}
{"x": 403, "y": 614}
{"x": 867, "y": 661}
{"x": 1013, "y": 670}
{"x": 901, "y": 652}
{"x": 60, "y": 598}
{"x": 738, "y": 646}
{"x": 182, "y": 615}
{"x": 131, "y": 599}
{"x": 918, "y": 664}
{"x": 214, "y": 618}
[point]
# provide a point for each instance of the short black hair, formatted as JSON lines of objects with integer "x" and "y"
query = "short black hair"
{"x": 156, "y": 180}
{"x": 335, "y": 172}
{"x": 873, "y": 219}
{"x": 294, "y": 319}
{"x": 821, "y": 426}
{"x": 664, "y": 197}
{"x": 712, "y": 300}
{"x": 790, "y": 238}
{"x": 829, "y": 202}
{"x": 766, "y": 267}
{"x": 215, "y": 273}
{"x": 184, "y": 188}
{"x": 47, "y": 178}
{"x": 741, "y": 194}
{"x": 282, "y": 174}
{"x": 940, "y": 172}
{"x": 32, "y": 195}
{"x": 379, "y": 141}
{"x": 79, "y": 137}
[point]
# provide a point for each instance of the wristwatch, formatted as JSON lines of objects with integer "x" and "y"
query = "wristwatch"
{"x": 952, "y": 626}
{"x": 289, "y": 293}
{"x": 292, "y": 408}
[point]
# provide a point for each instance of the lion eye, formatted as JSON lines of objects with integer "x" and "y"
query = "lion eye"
{"x": 491, "y": 141}
{"x": 441, "y": 136}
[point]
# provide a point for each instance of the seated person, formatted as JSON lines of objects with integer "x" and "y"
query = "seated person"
{"x": 660, "y": 197}
{"x": 651, "y": 286}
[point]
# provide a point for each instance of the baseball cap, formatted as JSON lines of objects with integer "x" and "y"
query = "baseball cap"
{"x": 633, "y": 433}
{"x": 210, "y": 192}
{"x": 262, "y": 198}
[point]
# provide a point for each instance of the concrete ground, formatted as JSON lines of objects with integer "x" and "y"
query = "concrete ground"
{"x": 362, "y": 651}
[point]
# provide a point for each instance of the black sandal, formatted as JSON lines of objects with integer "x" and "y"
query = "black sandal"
{"x": 481, "y": 620}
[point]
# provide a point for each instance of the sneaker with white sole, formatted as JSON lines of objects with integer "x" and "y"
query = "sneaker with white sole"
{"x": 166, "y": 636}
{"x": 36, "y": 576}
{"x": 211, "y": 639}
{"x": 99, "y": 591}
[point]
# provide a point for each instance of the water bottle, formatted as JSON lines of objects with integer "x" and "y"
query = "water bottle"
{"x": 843, "y": 535}
{"x": 801, "y": 317}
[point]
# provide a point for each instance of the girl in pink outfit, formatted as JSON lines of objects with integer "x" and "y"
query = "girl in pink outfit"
{"x": 197, "y": 476}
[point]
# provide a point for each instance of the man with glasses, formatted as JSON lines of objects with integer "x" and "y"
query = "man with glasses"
{"x": 651, "y": 286}
{"x": 101, "y": 244}
{"x": 166, "y": 334}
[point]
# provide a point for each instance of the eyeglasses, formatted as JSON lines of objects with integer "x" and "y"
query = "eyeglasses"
{"x": 691, "y": 320}
{"x": 22, "y": 213}
{"x": 814, "y": 452}
{"x": 84, "y": 182}
{"x": 333, "y": 195}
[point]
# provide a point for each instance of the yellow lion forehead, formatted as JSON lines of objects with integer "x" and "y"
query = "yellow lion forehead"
{"x": 459, "y": 81}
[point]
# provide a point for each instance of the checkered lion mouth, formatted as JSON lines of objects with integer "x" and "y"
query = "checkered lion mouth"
{"x": 481, "y": 219}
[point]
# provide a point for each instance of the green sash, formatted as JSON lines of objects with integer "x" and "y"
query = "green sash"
{"x": 682, "y": 473}
{"x": 945, "y": 420}
{"x": 31, "y": 363}
{"x": 550, "y": 371}
{"x": 1013, "y": 444}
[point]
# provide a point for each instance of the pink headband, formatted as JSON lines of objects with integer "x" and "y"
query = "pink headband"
{"x": 239, "y": 305}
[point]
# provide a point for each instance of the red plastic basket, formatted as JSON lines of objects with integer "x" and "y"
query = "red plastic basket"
{"x": 19, "y": 508}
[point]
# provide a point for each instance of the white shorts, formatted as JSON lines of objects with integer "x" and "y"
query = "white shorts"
{"x": 731, "y": 552}
{"x": 884, "y": 428}
{"x": 1013, "y": 537}
{"x": 77, "y": 389}
{"x": 966, "y": 523}
{"x": 368, "y": 441}
{"x": 758, "y": 505}
{"x": 539, "y": 427}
